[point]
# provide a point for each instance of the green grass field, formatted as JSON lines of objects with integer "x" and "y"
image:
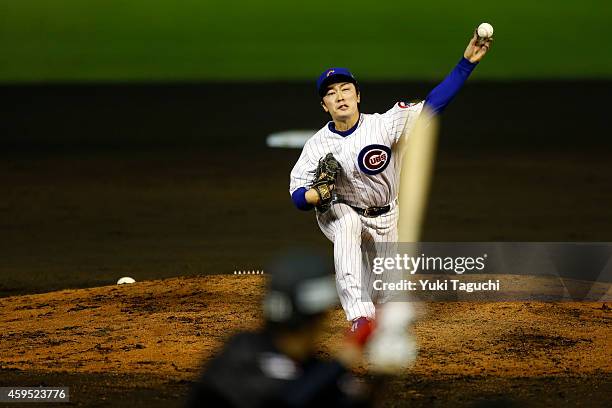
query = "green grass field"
{"x": 118, "y": 40}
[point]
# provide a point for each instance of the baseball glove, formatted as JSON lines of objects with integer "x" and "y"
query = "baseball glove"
{"x": 324, "y": 180}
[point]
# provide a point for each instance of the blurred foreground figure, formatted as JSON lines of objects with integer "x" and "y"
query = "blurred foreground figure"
{"x": 277, "y": 366}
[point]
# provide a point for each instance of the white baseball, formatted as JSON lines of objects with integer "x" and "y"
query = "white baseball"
{"x": 485, "y": 30}
{"x": 125, "y": 279}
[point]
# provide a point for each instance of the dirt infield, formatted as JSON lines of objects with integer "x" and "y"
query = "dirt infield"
{"x": 144, "y": 343}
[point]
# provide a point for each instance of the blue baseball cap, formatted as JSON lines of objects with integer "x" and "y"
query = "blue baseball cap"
{"x": 332, "y": 76}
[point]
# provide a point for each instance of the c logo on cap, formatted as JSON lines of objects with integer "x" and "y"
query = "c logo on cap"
{"x": 374, "y": 159}
{"x": 331, "y": 71}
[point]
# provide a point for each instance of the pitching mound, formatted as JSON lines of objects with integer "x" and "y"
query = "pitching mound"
{"x": 146, "y": 342}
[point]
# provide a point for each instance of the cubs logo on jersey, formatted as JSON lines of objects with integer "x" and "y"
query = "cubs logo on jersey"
{"x": 374, "y": 159}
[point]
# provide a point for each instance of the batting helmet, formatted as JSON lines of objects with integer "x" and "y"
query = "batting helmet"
{"x": 300, "y": 287}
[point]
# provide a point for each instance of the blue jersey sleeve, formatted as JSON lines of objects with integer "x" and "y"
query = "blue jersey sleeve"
{"x": 439, "y": 98}
{"x": 299, "y": 199}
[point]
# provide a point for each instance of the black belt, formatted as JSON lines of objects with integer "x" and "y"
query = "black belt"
{"x": 372, "y": 211}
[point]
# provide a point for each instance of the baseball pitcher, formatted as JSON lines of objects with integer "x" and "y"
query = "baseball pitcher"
{"x": 348, "y": 172}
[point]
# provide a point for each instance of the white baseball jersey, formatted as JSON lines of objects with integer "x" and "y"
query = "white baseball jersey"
{"x": 369, "y": 177}
{"x": 370, "y": 171}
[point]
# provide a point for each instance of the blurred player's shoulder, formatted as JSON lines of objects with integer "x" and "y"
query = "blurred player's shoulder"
{"x": 236, "y": 367}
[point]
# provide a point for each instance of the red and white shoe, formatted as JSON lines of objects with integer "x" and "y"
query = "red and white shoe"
{"x": 361, "y": 329}
{"x": 358, "y": 323}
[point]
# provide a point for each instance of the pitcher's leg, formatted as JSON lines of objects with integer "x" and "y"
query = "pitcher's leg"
{"x": 383, "y": 236}
{"x": 369, "y": 253}
{"x": 344, "y": 227}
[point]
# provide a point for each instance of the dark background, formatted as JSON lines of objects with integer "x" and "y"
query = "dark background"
{"x": 101, "y": 181}
{"x": 525, "y": 115}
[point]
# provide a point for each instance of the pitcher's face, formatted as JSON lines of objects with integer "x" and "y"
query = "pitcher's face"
{"x": 341, "y": 101}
